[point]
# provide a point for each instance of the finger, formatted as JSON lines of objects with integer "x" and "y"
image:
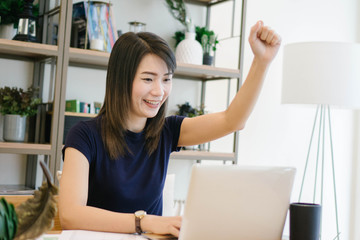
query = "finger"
{"x": 276, "y": 40}
{"x": 264, "y": 33}
{"x": 255, "y": 31}
{"x": 270, "y": 36}
{"x": 174, "y": 231}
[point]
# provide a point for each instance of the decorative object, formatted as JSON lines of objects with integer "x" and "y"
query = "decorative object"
{"x": 9, "y": 16}
{"x": 137, "y": 27}
{"x": 189, "y": 50}
{"x": 7, "y": 31}
{"x": 14, "y": 130}
{"x": 93, "y": 26}
{"x": 31, "y": 218}
{"x": 208, "y": 43}
{"x": 187, "y": 110}
{"x": 177, "y": 9}
{"x": 27, "y": 24}
{"x": 97, "y": 42}
{"x": 206, "y": 38}
{"x": 17, "y": 102}
{"x": 322, "y": 73}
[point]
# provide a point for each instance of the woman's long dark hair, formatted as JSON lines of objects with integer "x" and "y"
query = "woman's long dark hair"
{"x": 124, "y": 60}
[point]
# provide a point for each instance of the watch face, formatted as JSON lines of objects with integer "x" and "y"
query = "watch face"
{"x": 140, "y": 213}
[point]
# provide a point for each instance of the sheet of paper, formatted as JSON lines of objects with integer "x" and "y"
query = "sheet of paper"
{"x": 49, "y": 237}
{"x": 92, "y": 235}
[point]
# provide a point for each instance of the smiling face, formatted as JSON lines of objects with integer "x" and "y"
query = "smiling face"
{"x": 151, "y": 87}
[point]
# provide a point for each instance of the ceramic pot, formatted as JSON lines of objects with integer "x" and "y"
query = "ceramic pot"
{"x": 189, "y": 50}
{"x": 7, "y": 31}
{"x": 207, "y": 59}
{"x": 14, "y": 128}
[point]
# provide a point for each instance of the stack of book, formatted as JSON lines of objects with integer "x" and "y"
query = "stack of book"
{"x": 93, "y": 26}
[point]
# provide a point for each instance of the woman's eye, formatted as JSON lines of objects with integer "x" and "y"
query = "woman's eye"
{"x": 167, "y": 79}
{"x": 147, "y": 79}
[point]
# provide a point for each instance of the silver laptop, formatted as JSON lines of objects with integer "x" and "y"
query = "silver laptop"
{"x": 237, "y": 202}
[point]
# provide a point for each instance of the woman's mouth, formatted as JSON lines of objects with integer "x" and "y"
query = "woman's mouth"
{"x": 151, "y": 103}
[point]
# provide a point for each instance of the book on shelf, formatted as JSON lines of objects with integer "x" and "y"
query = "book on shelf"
{"x": 93, "y": 26}
{"x": 72, "y": 106}
{"x": 77, "y": 106}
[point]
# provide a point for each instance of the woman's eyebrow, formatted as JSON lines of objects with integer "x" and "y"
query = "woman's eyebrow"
{"x": 155, "y": 74}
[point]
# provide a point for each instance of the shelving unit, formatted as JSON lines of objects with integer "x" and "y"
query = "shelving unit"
{"x": 66, "y": 56}
{"x": 38, "y": 53}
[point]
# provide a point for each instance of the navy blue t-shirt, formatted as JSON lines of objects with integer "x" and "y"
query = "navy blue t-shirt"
{"x": 128, "y": 183}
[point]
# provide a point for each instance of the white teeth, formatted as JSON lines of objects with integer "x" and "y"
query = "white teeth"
{"x": 151, "y": 102}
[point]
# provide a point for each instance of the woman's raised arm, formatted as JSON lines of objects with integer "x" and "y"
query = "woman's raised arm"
{"x": 265, "y": 44}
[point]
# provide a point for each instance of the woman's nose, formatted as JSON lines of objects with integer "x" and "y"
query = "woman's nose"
{"x": 158, "y": 88}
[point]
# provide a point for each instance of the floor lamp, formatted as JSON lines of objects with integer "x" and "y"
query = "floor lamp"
{"x": 325, "y": 74}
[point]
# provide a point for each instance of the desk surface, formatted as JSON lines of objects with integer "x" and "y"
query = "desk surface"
{"x": 91, "y": 235}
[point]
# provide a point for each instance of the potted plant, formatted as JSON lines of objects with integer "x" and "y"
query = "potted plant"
{"x": 10, "y": 10}
{"x": 16, "y": 104}
{"x": 187, "y": 110}
{"x": 208, "y": 41}
{"x": 206, "y": 38}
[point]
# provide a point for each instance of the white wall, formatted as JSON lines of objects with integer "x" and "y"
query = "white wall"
{"x": 279, "y": 135}
{"x": 355, "y": 184}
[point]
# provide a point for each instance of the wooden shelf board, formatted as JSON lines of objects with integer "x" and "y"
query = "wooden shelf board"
{"x": 76, "y": 114}
{"x": 27, "y": 49}
{"x": 205, "y": 72}
{"x": 13, "y": 192}
{"x": 88, "y": 58}
{"x": 205, "y": 2}
{"x": 25, "y": 148}
{"x": 202, "y": 155}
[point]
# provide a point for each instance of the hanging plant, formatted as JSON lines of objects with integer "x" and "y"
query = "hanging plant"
{"x": 177, "y": 9}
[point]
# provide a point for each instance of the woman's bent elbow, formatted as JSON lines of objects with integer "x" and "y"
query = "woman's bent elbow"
{"x": 67, "y": 218}
{"x": 240, "y": 126}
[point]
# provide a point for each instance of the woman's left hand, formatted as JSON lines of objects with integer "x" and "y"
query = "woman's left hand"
{"x": 264, "y": 42}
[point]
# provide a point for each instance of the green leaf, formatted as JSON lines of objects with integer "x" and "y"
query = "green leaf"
{"x": 8, "y": 220}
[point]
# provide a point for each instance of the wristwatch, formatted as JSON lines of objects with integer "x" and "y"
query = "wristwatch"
{"x": 140, "y": 214}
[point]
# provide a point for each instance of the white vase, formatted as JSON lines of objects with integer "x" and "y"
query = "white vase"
{"x": 7, "y": 31}
{"x": 14, "y": 128}
{"x": 189, "y": 50}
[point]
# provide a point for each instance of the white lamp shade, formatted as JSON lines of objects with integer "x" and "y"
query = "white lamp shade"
{"x": 322, "y": 73}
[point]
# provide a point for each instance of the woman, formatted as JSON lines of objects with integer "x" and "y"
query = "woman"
{"x": 115, "y": 164}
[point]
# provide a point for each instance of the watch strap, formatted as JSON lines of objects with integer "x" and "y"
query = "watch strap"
{"x": 138, "y": 229}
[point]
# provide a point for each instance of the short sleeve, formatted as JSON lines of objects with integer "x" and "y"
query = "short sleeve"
{"x": 79, "y": 137}
{"x": 174, "y": 124}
